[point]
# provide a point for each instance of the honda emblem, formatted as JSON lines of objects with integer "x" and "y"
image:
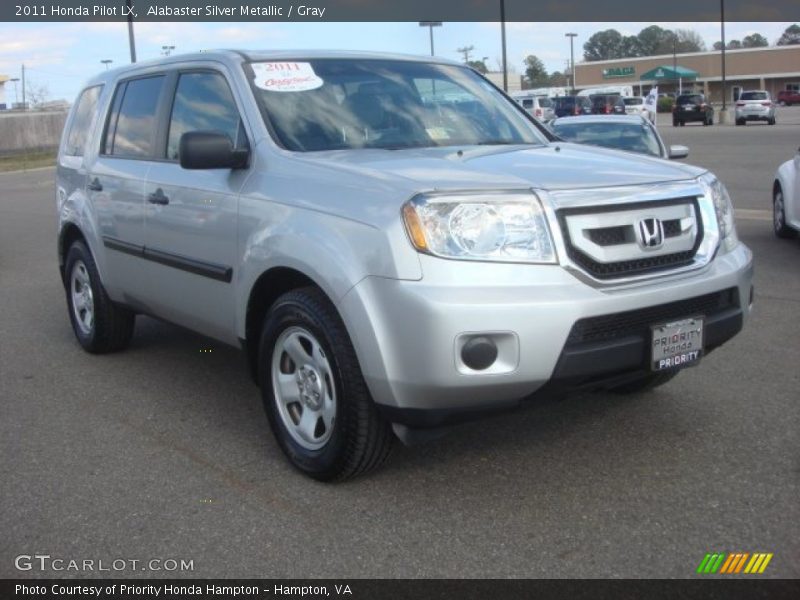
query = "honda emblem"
{"x": 651, "y": 233}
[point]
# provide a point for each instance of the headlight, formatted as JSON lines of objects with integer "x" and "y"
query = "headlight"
{"x": 724, "y": 210}
{"x": 503, "y": 227}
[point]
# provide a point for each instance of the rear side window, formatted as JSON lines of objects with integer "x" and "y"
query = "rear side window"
{"x": 82, "y": 121}
{"x": 203, "y": 102}
{"x": 132, "y": 127}
{"x": 545, "y": 103}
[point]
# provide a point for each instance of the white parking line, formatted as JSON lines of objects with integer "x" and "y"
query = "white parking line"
{"x": 753, "y": 214}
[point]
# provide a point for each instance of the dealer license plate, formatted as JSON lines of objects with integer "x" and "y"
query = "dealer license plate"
{"x": 677, "y": 344}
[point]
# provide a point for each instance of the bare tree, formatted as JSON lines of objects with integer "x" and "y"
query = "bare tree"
{"x": 36, "y": 93}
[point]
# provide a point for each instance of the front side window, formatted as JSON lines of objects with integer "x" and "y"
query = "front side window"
{"x": 330, "y": 104}
{"x": 82, "y": 121}
{"x": 135, "y": 104}
{"x": 203, "y": 102}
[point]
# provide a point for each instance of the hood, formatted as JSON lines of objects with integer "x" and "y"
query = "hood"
{"x": 555, "y": 166}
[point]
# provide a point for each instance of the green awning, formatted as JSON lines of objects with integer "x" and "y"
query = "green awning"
{"x": 668, "y": 73}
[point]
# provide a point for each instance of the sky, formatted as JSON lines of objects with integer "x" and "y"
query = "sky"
{"x": 63, "y": 55}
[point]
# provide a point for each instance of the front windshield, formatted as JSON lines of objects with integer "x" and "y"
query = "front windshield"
{"x": 632, "y": 137}
{"x": 331, "y": 104}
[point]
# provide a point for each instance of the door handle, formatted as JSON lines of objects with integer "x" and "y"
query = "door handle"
{"x": 95, "y": 185}
{"x": 158, "y": 197}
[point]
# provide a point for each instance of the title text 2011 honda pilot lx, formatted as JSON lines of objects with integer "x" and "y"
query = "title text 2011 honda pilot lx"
{"x": 393, "y": 242}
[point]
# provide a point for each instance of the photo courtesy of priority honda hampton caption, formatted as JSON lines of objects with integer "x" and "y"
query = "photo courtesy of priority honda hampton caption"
{"x": 395, "y": 244}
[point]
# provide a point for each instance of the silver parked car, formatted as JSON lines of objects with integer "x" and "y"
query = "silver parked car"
{"x": 630, "y": 133}
{"x": 394, "y": 243}
{"x": 786, "y": 198}
{"x": 755, "y": 105}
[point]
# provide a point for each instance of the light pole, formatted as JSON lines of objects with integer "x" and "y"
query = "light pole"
{"x": 430, "y": 25}
{"x": 167, "y": 50}
{"x": 722, "y": 27}
{"x": 503, "y": 38}
{"x": 572, "y": 37}
{"x": 106, "y": 62}
{"x": 131, "y": 37}
{"x": 16, "y": 97}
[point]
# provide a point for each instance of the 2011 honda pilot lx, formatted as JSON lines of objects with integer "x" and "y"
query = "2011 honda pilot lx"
{"x": 393, "y": 242}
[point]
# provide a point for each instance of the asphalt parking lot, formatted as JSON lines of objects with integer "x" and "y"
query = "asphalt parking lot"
{"x": 164, "y": 452}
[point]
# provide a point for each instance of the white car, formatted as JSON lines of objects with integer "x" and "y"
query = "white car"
{"x": 540, "y": 107}
{"x": 786, "y": 198}
{"x": 635, "y": 105}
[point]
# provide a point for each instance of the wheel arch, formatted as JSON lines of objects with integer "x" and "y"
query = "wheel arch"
{"x": 69, "y": 234}
{"x": 268, "y": 287}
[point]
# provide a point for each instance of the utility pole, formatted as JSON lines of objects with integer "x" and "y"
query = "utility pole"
{"x": 131, "y": 39}
{"x": 24, "y": 106}
{"x": 465, "y": 51}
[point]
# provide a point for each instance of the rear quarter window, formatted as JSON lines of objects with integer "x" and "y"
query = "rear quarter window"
{"x": 82, "y": 121}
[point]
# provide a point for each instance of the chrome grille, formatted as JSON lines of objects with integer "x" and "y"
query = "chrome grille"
{"x": 606, "y": 243}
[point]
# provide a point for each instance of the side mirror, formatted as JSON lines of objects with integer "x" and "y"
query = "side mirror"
{"x": 678, "y": 152}
{"x": 210, "y": 150}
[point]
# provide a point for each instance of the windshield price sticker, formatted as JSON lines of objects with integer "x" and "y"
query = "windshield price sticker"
{"x": 285, "y": 76}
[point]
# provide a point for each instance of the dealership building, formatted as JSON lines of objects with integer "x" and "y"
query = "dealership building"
{"x": 773, "y": 69}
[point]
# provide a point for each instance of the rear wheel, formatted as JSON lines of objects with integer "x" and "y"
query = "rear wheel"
{"x": 644, "y": 383}
{"x": 682, "y": 123}
{"x": 99, "y": 324}
{"x": 739, "y": 122}
{"x": 315, "y": 396}
{"x": 782, "y": 230}
{"x": 772, "y": 121}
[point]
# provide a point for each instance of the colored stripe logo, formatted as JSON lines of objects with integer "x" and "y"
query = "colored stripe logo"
{"x": 734, "y": 563}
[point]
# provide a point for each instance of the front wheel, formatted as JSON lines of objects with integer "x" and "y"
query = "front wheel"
{"x": 99, "y": 324}
{"x": 782, "y": 230}
{"x": 317, "y": 402}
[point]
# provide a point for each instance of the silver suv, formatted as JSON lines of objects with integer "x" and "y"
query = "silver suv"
{"x": 395, "y": 244}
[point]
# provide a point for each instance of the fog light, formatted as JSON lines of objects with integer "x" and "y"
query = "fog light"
{"x": 479, "y": 353}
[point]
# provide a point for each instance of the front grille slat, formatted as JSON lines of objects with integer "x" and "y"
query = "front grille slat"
{"x": 638, "y": 322}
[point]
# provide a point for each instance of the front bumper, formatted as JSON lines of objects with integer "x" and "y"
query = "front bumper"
{"x": 407, "y": 333}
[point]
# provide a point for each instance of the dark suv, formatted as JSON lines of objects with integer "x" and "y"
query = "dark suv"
{"x": 607, "y": 104}
{"x": 788, "y": 97}
{"x": 692, "y": 107}
{"x": 571, "y": 106}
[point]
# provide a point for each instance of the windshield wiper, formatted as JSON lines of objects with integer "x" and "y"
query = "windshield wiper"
{"x": 504, "y": 143}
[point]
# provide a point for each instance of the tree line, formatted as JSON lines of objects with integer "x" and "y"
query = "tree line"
{"x": 650, "y": 41}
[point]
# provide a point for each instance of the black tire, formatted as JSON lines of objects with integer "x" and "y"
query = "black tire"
{"x": 772, "y": 121}
{"x": 674, "y": 123}
{"x": 111, "y": 326}
{"x": 682, "y": 123}
{"x": 739, "y": 122}
{"x": 779, "y": 226}
{"x": 360, "y": 440}
{"x": 645, "y": 383}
